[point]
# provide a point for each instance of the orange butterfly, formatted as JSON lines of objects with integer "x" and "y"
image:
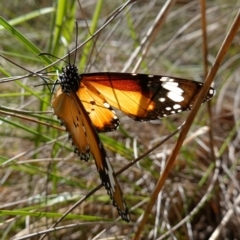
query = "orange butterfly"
{"x": 83, "y": 103}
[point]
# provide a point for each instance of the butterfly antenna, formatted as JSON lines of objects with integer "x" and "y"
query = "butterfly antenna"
{"x": 31, "y": 73}
{"x": 7, "y": 59}
{"x": 76, "y": 41}
{"x": 49, "y": 54}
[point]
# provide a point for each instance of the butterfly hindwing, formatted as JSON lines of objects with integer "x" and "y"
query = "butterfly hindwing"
{"x": 100, "y": 112}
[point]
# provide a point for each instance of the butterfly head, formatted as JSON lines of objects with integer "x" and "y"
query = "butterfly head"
{"x": 69, "y": 79}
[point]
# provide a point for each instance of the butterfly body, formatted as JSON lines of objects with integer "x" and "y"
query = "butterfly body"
{"x": 84, "y": 104}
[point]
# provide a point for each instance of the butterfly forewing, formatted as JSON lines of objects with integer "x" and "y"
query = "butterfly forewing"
{"x": 65, "y": 108}
{"x": 146, "y": 97}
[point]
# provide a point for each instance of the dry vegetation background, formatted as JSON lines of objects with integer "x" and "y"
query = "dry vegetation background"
{"x": 41, "y": 178}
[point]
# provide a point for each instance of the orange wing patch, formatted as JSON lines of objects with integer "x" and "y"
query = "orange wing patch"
{"x": 130, "y": 102}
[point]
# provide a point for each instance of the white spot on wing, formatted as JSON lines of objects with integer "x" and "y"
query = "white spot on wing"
{"x": 106, "y": 105}
{"x": 162, "y": 99}
{"x": 211, "y": 91}
{"x": 176, "y": 106}
{"x": 175, "y": 97}
{"x": 109, "y": 172}
{"x": 164, "y": 79}
{"x": 172, "y": 86}
{"x": 168, "y": 108}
